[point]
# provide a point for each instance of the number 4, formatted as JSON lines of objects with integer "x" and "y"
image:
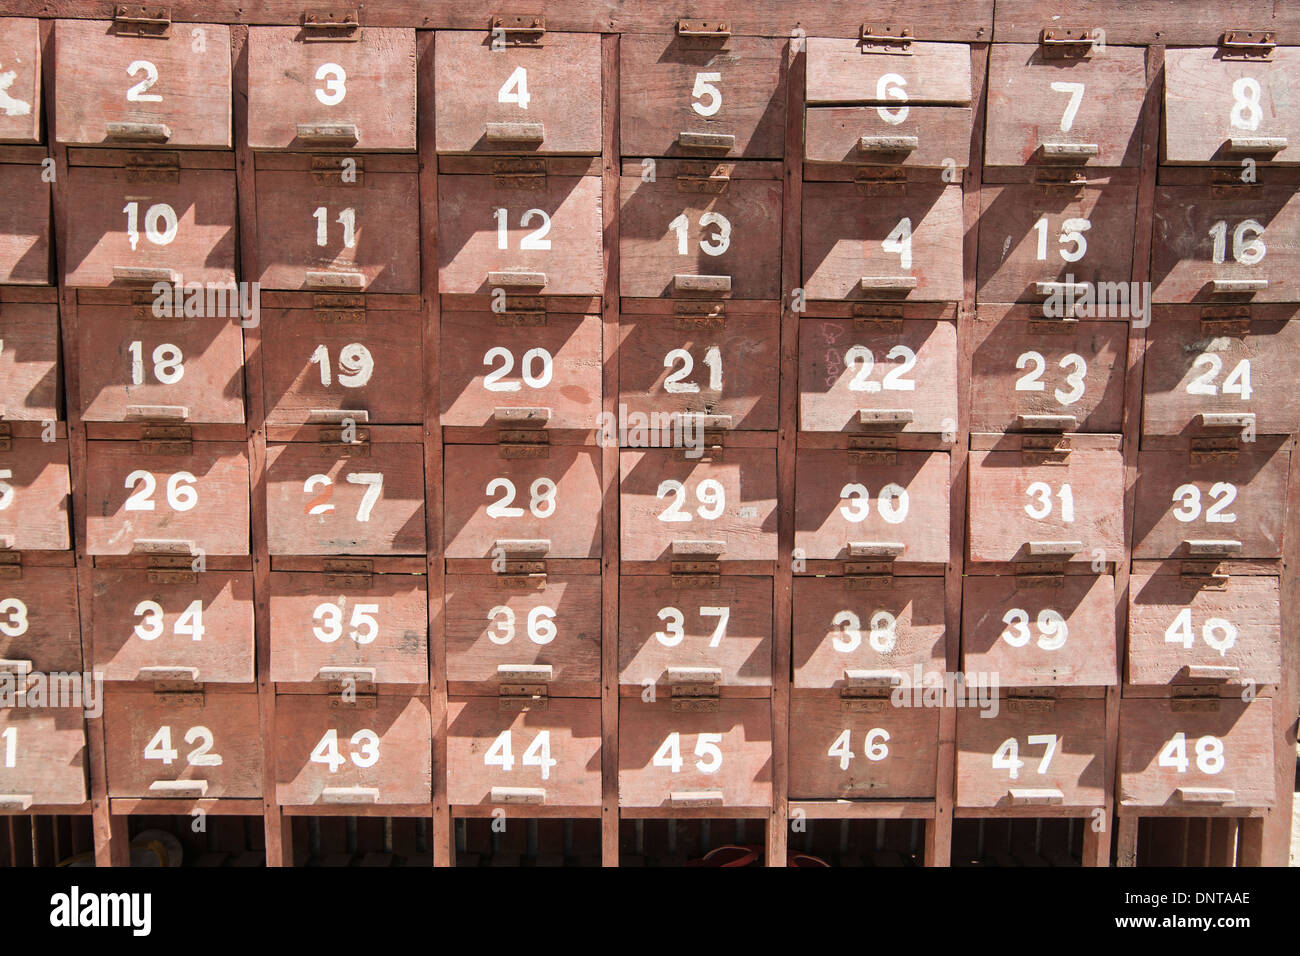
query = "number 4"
{"x": 519, "y": 81}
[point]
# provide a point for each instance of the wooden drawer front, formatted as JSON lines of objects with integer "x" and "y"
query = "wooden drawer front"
{"x": 153, "y": 740}
{"x": 1207, "y": 247}
{"x": 721, "y": 756}
{"x": 1040, "y": 636}
{"x": 726, "y": 631}
{"x": 840, "y": 72}
{"x": 869, "y": 135}
{"x": 1067, "y": 511}
{"x": 732, "y": 237}
{"x": 1086, "y": 108}
{"x": 670, "y": 504}
{"x": 44, "y": 757}
{"x": 485, "y": 94}
{"x": 353, "y": 236}
{"x": 1212, "y": 100}
{"x": 496, "y": 623}
{"x": 192, "y": 368}
{"x": 361, "y": 92}
{"x": 846, "y": 625}
{"x": 909, "y": 246}
{"x": 842, "y": 750}
{"x": 732, "y": 93}
{"x": 25, "y": 229}
{"x": 1025, "y": 373}
{"x": 20, "y": 53}
{"x": 1189, "y": 373}
{"x": 29, "y": 361}
{"x": 547, "y": 756}
{"x": 34, "y": 489}
{"x": 1180, "y": 753}
{"x": 117, "y": 90}
{"x": 199, "y": 499}
{"x": 1033, "y": 752}
{"x": 379, "y": 753}
{"x": 842, "y": 501}
{"x": 321, "y": 502}
{"x": 39, "y": 623}
{"x": 486, "y": 366}
{"x": 314, "y": 370}
{"x": 1029, "y": 237}
{"x": 552, "y": 242}
{"x": 670, "y": 366}
{"x": 904, "y": 380}
{"x": 1182, "y": 632}
{"x": 323, "y": 631}
{"x": 1179, "y": 503}
{"x": 173, "y": 630}
{"x": 490, "y": 499}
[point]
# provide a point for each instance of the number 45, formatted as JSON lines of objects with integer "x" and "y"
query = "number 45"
{"x": 669, "y": 753}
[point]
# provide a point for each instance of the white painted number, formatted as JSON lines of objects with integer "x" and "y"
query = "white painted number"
{"x": 1052, "y": 629}
{"x": 710, "y": 244}
{"x": 1217, "y": 632}
{"x": 1072, "y": 231}
{"x": 1209, "y": 754}
{"x": 707, "y": 751}
{"x": 890, "y": 87}
{"x": 168, "y": 363}
{"x": 873, "y": 746}
{"x": 335, "y": 78}
{"x": 1237, "y": 382}
{"x": 1007, "y": 756}
{"x": 536, "y": 368}
{"x": 538, "y": 753}
{"x": 15, "y": 623}
{"x": 181, "y": 495}
{"x": 328, "y": 623}
{"x": 892, "y": 504}
{"x": 1246, "y": 112}
{"x": 1042, "y": 491}
{"x": 347, "y": 218}
{"x": 1188, "y": 499}
{"x": 356, "y": 365}
{"x": 1072, "y": 107}
{"x": 534, "y": 240}
{"x": 712, "y": 95}
{"x": 674, "y": 384}
{"x": 158, "y": 214}
{"x": 137, "y": 94}
{"x": 541, "y": 624}
{"x": 365, "y": 751}
{"x": 674, "y": 630}
{"x": 1246, "y": 249}
{"x": 160, "y": 748}
{"x": 713, "y": 499}
{"x": 189, "y": 622}
{"x": 518, "y": 83}
{"x": 1031, "y": 381}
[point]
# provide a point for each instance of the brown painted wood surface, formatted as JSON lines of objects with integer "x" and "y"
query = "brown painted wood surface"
{"x": 50, "y": 754}
{"x": 839, "y": 71}
{"x": 25, "y": 225}
{"x": 37, "y": 621}
{"x": 834, "y": 135}
{"x": 35, "y": 515}
{"x": 20, "y": 53}
{"x": 29, "y": 361}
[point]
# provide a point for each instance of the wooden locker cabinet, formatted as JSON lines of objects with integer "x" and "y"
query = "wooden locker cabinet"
{"x": 168, "y": 623}
{"x": 377, "y": 751}
{"x": 34, "y": 494}
{"x": 20, "y": 52}
{"x": 503, "y": 753}
{"x": 308, "y": 92}
{"x": 692, "y": 95}
{"x": 30, "y": 370}
{"x": 40, "y": 629}
{"x": 25, "y": 226}
{"x": 49, "y": 750}
{"x": 113, "y": 88}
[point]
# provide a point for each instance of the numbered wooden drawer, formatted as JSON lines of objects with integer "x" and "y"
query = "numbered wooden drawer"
{"x": 334, "y": 627}
{"x": 1031, "y": 632}
{"x": 1084, "y": 110}
{"x": 539, "y": 507}
{"x": 24, "y": 224}
{"x": 184, "y": 370}
{"x": 544, "y": 237}
{"x": 1227, "y": 103}
{"x": 547, "y": 755}
{"x": 309, "y": 90}
{"x": 1054, "y": 246}
{"x": 716, "y": 96}
{"x": 20, "y": 53}
{"x": 173, "y": 625}
{"x": 700, "y": 229}
{"x": 327, "y": 499}
{"x": 29, "y": 361}
{"x": 1047, "y": 505}
{"x": 34, "y": 489}
{"x": 44, "y": 757}
{"x": 858, "y": 246}
{"x": 672, "y": 506}
{"x": 890, "y": 375}
{"x": 553, "y": 369}
{"x": 1225, "y": 248}
{"x": 1190, "y": 628}
{"x": 856, "y": 632}
{"x": 150, "y": 222}
{"x": 886, "y": 507}
{"x": 40, "y": 627}
{"x": 499, "y": 627}
{"x": 183, "y": 745}
{"x": 1201, "y": 373}
{"x": 116, "y": 86}
{"x": 682, "y": 366}
{"x": 1030, "y": 373}
{"x": 861, "y": 749}
{"x": 317, "y": 369}
{"x": 868, "y": 103}
{"x": 151, "y": 496}
{"x": 374, "y": 753}
{"x": 1032, "y": 753}
{"x": 696, "y": 756}
{"x": 1196, "y": 504}
{"x": 1196, "y": 753}
{"x": 677, "y": 634}
{"x": 338, "y": 224}
{"x": 496, "y": 95}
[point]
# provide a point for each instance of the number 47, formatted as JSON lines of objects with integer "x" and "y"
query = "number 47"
{"x": 1008, "y": 755}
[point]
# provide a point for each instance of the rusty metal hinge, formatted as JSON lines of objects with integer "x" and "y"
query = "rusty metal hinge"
{"x": 142, "y": 20}
{"x": 339, "y": 307}
{"x": 6, "y": 436}
{"x": 701, "y": 176}
{"x": 520, "y": 29}
{"x": 885, "y": 38}
{"x": 344, "y": 440}
{"x": 519, "y": 173}
{"x": 338, "y": 170}
{"x": 163, "y": 166}
{"x": 169, "y": 439}
{"x": 1040, "y": 574}
{"x": 170, "y": 569}
{"x": 1214, "y": 450}
{"x": 873, "y": 449}
{"x": 1247, "y": 44}
{"x": 351, "y": 573}
{"x": 868, "y": 575}
{"x": 1067, "y": 43}
{"x": 1232, "y": 320}
{"x": 1050, "y": 449}
{"x": 1203, "y": 576}
{"x": 11, "y": 565}
{"x": 521, "y": 310}
{"x": 880, "y": 180}
{"x": 320, "y": 26}
{"x": 522, "y": 432}
{"x": 691, "y": 315}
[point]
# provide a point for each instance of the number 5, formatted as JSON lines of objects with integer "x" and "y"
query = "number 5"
{"x": 704, "y": 88}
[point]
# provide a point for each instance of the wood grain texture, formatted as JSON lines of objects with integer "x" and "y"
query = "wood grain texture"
{"x": 25, "y": 226}
{"x": 49, "y": 754}
{"x": 29, "y": 361}
{"x": 893, "y": 756}
{"x": 20, "y": 54}
{"x": 840, "y": 72}
{"x": 834, "y": 135}
{"x": 39, "y": 623}
{"x": 35, "y": 515}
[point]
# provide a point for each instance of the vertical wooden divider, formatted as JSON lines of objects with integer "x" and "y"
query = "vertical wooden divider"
{"x": 1275, "y": 838}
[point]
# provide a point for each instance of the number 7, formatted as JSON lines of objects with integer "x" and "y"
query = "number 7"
{"x": 374, "y": 482}
{"x": 1048, "y": 739}
{"x": 1071, "y": 108}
